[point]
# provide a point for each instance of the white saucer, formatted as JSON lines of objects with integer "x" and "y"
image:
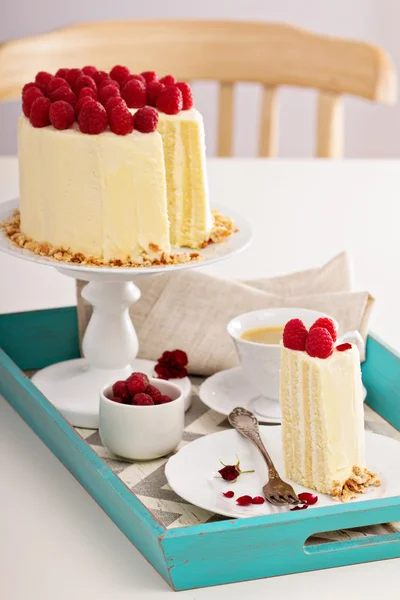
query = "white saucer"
{"x": 191, "y": 472}
{"x": 230, "y": 388}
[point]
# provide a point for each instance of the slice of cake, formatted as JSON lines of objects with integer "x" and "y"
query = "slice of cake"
{"x": 100, "y": 195}
{"x": 321, "y": 399}
{"x": 189, "y": 211}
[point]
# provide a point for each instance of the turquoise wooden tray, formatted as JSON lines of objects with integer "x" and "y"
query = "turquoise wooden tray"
{"x": 211, "y": 553}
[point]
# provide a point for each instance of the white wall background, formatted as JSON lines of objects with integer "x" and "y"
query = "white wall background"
{"x": 371, "y": 130}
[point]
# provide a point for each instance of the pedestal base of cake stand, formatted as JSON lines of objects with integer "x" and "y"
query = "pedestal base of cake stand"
{"x": 110, "y": 347}
{"x": 73, "y": 387}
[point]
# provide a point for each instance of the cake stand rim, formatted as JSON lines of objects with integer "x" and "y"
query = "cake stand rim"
{"x": 234, "y": 244}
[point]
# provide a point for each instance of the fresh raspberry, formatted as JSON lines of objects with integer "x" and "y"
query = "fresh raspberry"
{"x": 154, "y": 89}
{"x": 142, "y": 400}
{"x": 154, "y": 393}
{"x": 29, "y": 85}
{"x": 87, "y": 91}
{"x": 54, "y": 84}
{"x": 149, "y": 76}
{"x": 139, "y": 374}
{"x": 62, "y": 73}
{"x": 119, "y": 73}
{"x": 319, "y": 343}
{"x": 72, "y": 76}
{"x": 62, "y": 115}
{"x": 145, "y": 119}
{"x": 80, "y": 103}
{"x": 100, "y": 76}
{"x": 106, "y": 92}
{"x": 93, "y": 120}
{"x": 295, "y": 335}
{"x": 343, "y": 347}
{"x": 164, "y": 399}
{"x": 170, "y": 101}
{"x": 121, "y": 120}
{"x": 89, "y": 70}
{"x": 43, "y": 79}
{"x": 168, "y": 80}
{"x": 328, "y": 324}
{"x": 29, "y": 97}
{"x": 39, "y": 115}
{"x": 120, "y": 389}
{"x": 108, "y": 82}
{"x": 187, "y": 94}
{"x": 134, "y": 94}
{"x": 84, "y": 81}
{"x": 136, "y": 385}
{"x": 117, "y": 399}
{"x": 64, "y": 93}
{"x": 113, "y": 102}
{"x": 130, "y": 77}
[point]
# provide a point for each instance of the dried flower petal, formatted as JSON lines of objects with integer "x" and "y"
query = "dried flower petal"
{"x": 244, "y": 500}
{"x": 308, "y": 498}
{"x": 299, "y": 507}
{"x": 258, "y": 500}
{"x": 228, "y": 494}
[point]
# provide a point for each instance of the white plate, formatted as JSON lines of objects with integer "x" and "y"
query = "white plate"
{"x": 212, "y": 253}
{"x": 227, "y": 389}
{"x": 191, "y": 472}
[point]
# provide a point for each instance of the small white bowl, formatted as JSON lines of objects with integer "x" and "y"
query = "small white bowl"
{"x": 142, "y": 432}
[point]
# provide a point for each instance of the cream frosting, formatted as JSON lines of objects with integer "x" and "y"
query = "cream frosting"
{"x": 101, "y": 195}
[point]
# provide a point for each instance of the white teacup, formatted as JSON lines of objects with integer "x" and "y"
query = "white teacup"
{"x": 261, "y": 362}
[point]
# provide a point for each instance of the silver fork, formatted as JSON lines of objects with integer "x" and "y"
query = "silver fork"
{"x": 276, "y": 491}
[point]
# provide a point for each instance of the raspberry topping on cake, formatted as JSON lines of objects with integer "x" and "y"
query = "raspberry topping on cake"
{"x": 64, "y": 93}
{"x": 168, "y": 80}
{"x": 295, "y": 335}
{"x": 93, "y": 119}
{"x": 39, "y": 115}
{"x": 62, "y": 73}
{"x": 43, "y": 79}
{"x": 80, "y": 103}
{"x": 72, "y": 77}
{"x": 113, "y": 102}
{"x": 119, "y": 73}
{"x": 187, "y": 94}
{"x": 130, "y": 77}
{"x": 153, "y": 91}
{"x": 106, "y": 92}
{"x": 62, "y": 115}
{"x": 89, "y": 70}
{"x": 149, "y": 76}
{"x": 29, "y": 85}
{"x": 87, "y": 91}
{"x": 328, "y": 324}
{"x": 100, "y": 76}
{"x": 145, "y": 120}
{"x": 319, "y": 343}
{"x": 54, "y": 84}
{"x": 29, "y": 97}
{"x": 121, "y": 120}
{"x": 170, "y": 101}
{"x": 134, "y": 94}
{"x": 84, "y": 81}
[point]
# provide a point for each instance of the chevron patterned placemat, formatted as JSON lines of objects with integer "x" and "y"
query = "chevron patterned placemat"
{"x": 147, "y": 479}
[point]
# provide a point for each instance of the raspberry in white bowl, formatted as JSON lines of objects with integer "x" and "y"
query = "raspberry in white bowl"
{"x": 141, "y": 418}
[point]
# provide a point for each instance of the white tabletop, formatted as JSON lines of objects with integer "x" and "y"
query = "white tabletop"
{"x": 59, "y": 542}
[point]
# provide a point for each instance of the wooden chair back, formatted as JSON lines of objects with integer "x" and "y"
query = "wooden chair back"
{"x": 272, "y": 54}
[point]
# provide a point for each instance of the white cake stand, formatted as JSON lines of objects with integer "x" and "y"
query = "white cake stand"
{"x": 110, "y": 344}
